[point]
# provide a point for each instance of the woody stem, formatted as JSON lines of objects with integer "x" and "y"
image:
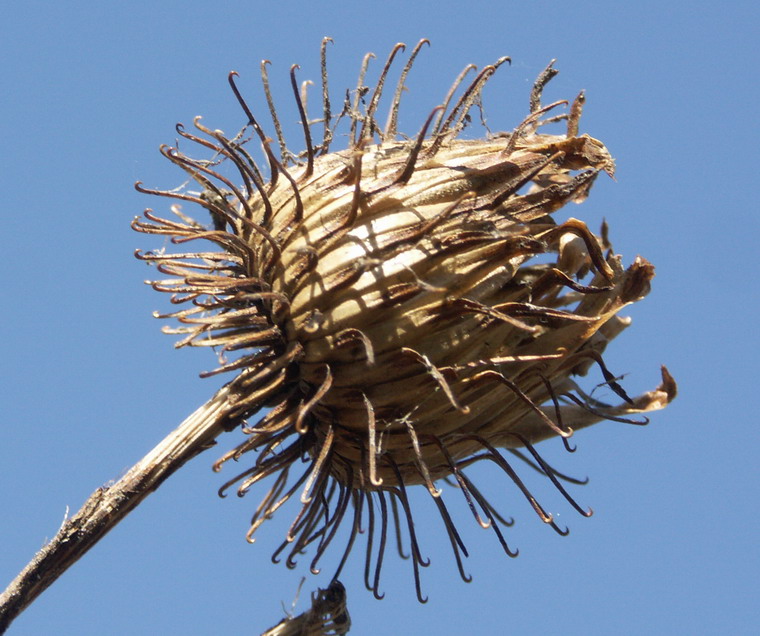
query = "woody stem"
{"x": 108, "y": 505}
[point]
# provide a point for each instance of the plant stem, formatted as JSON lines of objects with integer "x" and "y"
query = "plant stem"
{"x": 108, "y": 505}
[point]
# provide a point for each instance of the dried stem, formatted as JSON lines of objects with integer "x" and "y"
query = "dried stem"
{"x": 108, "y": 505}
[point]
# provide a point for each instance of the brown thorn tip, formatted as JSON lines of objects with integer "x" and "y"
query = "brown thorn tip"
{"x": 668, "y": 386}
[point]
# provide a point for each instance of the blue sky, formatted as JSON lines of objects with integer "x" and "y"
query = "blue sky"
{"x": 90, "y": 384}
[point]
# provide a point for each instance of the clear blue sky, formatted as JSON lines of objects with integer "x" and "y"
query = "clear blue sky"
{"x": 90, "y": 384}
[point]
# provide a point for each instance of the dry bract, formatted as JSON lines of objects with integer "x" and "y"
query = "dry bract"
{"x": 404, "y": 307}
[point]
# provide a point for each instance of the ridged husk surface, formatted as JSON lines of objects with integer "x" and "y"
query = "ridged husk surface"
{"x": 405, "y": 307}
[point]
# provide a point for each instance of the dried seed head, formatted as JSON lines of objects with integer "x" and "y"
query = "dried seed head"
{"x": 327, "y": 616}
{"x": 404, "y": 307}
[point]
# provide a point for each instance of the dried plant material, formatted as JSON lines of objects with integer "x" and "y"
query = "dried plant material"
{"x": 327, "y": 616}
{"x": 406, "y": 307}
{"x": 401, "y": 309}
